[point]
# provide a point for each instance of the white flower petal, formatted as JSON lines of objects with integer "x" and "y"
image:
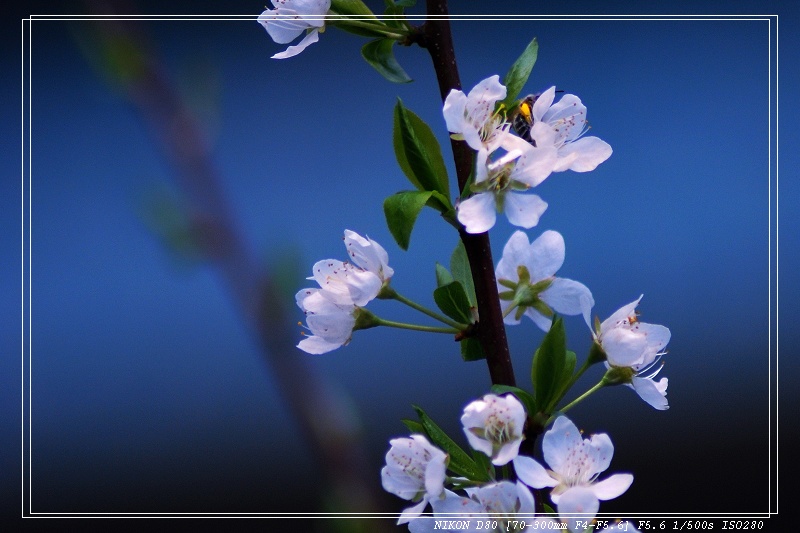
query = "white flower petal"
{"x": 317, "y": 345}
{"x": 599, "y": 449}
{"x": 530, "y": 472}
{"x": 344, "y": 283}
{"x": 578, "y": 504}
{"x": 558, "y": 442}
{"x": 620, "y": 314}
{"x": 657, "y": 336}
{"x": 410, "y": 513}
{"x": 568, "y": 115}
{"x": 585, "y": 154}
{"x": 311, "y": 38}
{"x": 623, "y": 346}
{"x": 613, "y": 487}
{"x": 453, "y": 111}
{"x": 527, "y": 503}
{"x": 568, "y": 297}
{"x": 282, "y": 25}
{"x": 542, "y": 103}
{"x": 546, "y": 255}
{"x": 534, "y": 164}
{"x": 368, "y": 254}
{"x": 654, "y": 393}
{"x": 544, "y": 322}
{"x": 515, "y": 253}
{"x": 478, "y": 213}
{"x": 524, "y": 210}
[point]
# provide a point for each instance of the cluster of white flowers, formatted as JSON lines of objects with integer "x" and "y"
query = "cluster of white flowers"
{"x": 344, "y": 287}
{"x": 416, "y": 470}
{"x": 506, "y": 165}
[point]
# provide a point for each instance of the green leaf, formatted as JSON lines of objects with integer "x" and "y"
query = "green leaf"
{"x": 459, "y": 266}
{"x": 548, "y": 364}
{"x": 525, "y": 397}
{"x": 380, "y": 55}
{"x": 443, "y": 276}
{"x": 401, "y": 210}
{"x": 570, "y": 361}
{"x": 484, "y": 463}
{"x": 418, "y": 152}
{"x": 517, "y": 75}
{"x": 414, "y": 426}
{"x": 453, "y": 302}
{"x": 460, "y": 462}
{"x": 352, "y": 7}
{"x": 471, "y": 349}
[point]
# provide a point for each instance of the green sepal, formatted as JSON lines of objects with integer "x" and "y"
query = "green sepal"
{"x": 380, "y": 54}
{"x": 453, "y": 301}
{"x": 402, "y": 209}
{"x": 548, "y": 364}
{"x": 459, "y": 266}
{"x": 413, "y": 426}
{"x": 618, "y": 375}
{"x": 418, "y": 152}
{"x": 517, "y": 76}
{"x": 549, "y": 510}
{"x": 443, "y": 276}
{"x": 596, "y": 354}
{"x": 471, "y": 349}
{"x": 460, "y": 462}
{"x": 525, "y": 397}
{"x": 364, "y": 319}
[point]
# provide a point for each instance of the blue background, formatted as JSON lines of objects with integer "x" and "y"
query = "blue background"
{"x": 149, "y": 393}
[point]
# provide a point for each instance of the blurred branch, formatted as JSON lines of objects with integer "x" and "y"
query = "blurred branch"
{"x": 322, "y": 413}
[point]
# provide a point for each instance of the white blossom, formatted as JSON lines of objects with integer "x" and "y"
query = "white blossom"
{"x": 494, "y": 425}
{"x": 575, "y": 464}
{"x": 290, "y": 19}
{"x": 331, "y": 324}
{"x": 415, "y": 470}
{"x": 472, "y": 116}
{"x": 495, "y": 503}
{"x": 499, "y": 185}
{"x": 368, "y": 254}
{"x": 345, "y": 287}
{"x": 629, "y": 343}
{"x": 567, "y": 118}
{"x": 539, "y": 292}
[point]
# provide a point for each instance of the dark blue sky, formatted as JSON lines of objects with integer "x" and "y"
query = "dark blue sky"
{"x": 149, "y": 391}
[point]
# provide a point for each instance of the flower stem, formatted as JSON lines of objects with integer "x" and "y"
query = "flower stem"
{"x": 394, "y": 295}
{"x": 377, "y": 27}
{"x": 599, "y": 385}
{"x": 416, "y": 327}
{"x": 578, "y": 374}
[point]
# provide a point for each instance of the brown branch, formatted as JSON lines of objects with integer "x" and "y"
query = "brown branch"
{"x": 491, "y": 333}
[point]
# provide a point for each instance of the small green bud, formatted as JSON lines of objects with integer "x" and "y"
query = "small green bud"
{"x": 365, "y": 319}
{"x": 618, "y": 375}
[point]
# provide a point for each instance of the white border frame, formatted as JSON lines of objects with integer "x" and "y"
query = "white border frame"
{"x": 26, "y": 245}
